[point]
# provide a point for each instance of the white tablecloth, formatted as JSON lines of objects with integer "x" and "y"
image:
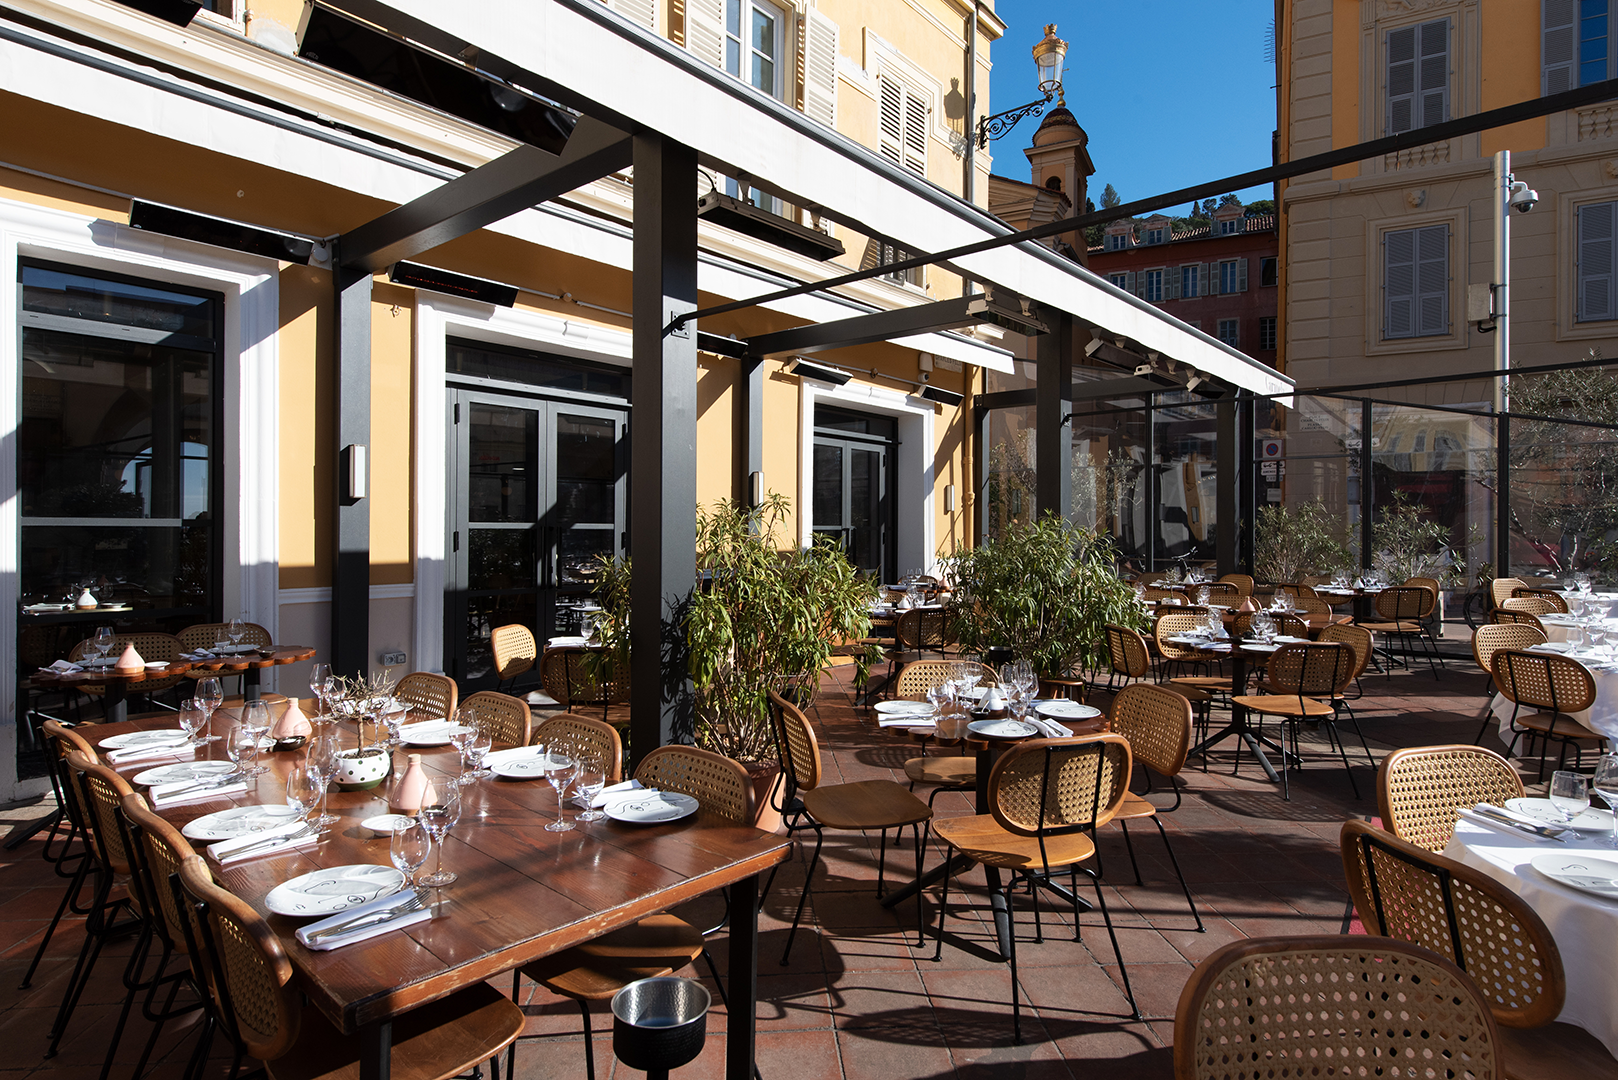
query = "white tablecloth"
{"x": 1602, "y": 716}
{"x": 1585, "y": 927}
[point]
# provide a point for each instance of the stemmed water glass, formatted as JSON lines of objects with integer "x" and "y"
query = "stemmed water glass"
{"x": 103, "y": 641}
{"x": 193, "y": 718}
{"x": 319, "y": 674}
{"x": 306, "y": 787}
{"x": 1605, "y": 784}
{"x": 476, "y": 750}
{"x": 210, "y": 695}
{"x": 408, "y": 849}
{"x": 393, "y": 715}
{"x": 255, "y": 719}
{"x": 321, "y": 754}
{"x": 1569, "y": 794}
{"x": 235, "y": 630}
{"x": 241, "y": 746}
{"x": 438, "y": 819}
{"x": 560, "y": 772}
{"x": 592, "y": 777}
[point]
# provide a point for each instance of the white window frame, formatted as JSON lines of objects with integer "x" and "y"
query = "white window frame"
{"x": 1228, "y": 226}
{"x": 741, "y": 39}
{"x": 1151, "y": 289}
{"x": 1119, "y": 278}
{"x": 1154, "y": 236}
{"x": 1194, "y": 272}
{"x": 1235, "y": 325}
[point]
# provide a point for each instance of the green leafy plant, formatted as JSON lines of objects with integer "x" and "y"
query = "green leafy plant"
{"x": 611, "y": 628}
{"x": 1409, "y": 544}
{"x": 1045, "y": 589}
{"x": 763, "y": 618}
{"x": 1294, "y": 542}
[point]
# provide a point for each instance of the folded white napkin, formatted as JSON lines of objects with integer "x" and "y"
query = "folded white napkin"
{"x": 616, "y": 791}
{"x": 542, "y": 699}
{"x": 1047, "y": 728}
{"x": 516, "y": 753}
{"x": 371, "y": 930}
{"x": 186, "y": 791}
{"x": 151, "y": 751}
{"x": 1500, "y": 826}
{"x": 200, "y": 654}
{"x": 917, "y": 719}
{"x": 276, "y": 841}
{"x": 63, "y": 667}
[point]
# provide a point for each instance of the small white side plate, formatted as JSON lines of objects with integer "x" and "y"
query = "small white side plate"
{"x": 238, "y": 821}
{"x": 429, "y": 733}
{"x": 1593, "y": 872}
{"x": 384, "y": 824}
{"x": 131, "y": 739}
{"x": 652, "y": 807}
{"x": 179, "y": 771}
{"x": 1593, "y": 819}
{"x": 326, "y": 892}
{"x": 1067, "y": 710}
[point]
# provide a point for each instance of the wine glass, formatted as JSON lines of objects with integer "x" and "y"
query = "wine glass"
{"x": 210, "y": 695}
{"x": 321, "y": 754}
{"x": 103, "y": 641}
{"x": 439, "y": 819}
{"x": 1605, "y": 784}
{"x": 318, "y": 676}
{"x": 592, "y": 777}
{"x": 305, "y": 787}
{"x": 476, "y": 750}
{"x": 235, "y": 630}
{"x": 461, "y": 737}
{"x": 256, "y": 719}
{"x": 560, "y": 771}
{"x": 408, "y": 849}
{"x": 193, "y": 718}
{"x": 1570, "y": 794}
{"x": 241, "y": 746}
{"x": 393, "y": 715}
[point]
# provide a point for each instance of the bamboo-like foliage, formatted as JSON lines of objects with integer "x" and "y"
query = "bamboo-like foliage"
{"x": 1294, "y": 542}
{"x": 1046, "y": 589}
{"x": 763, "y": 618}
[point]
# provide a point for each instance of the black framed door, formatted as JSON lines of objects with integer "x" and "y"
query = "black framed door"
{"x": 852, "y": 486}
{"x": 537, "y": 492}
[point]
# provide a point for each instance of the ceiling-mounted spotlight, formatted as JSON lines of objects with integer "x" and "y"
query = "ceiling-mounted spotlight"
{"x": 1197, "y": 379}
{"x": 943, "y": 397}
{"x": 804, "y": 369}
{"x": 760, "y": 224}
{"x": 1143, "y": 369}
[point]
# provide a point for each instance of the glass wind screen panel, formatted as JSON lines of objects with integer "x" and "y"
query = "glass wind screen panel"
{"x": 1438, "y": 465}
{"x": 865, "y": 510}
{"x": 828, "y": 487}
{"x": 1008, "y": 469}
{"x": 143, "y": 566}
{"x": 483, "y": 614}
{"x": 1310, "y": 454}
{"x": 61, "y": 292}
{"x": 500, "y": 559}
{"x": 502, "y": 467}
{"x": 535, "y": 369}
{"x": 586, "y": 469}
{"x": 1111, "y": 476}
{"x": 1187, "y": 479}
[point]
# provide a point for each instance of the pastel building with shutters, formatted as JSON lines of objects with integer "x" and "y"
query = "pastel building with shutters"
{"x": 1376, "y": 257}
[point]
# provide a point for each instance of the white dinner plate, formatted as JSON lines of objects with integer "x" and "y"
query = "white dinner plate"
{"x": 1002, "y": 729}
{"x": 238, "y": 821}
{"x": 1066, "y": 710}
{"x": 903, "y": 708}
{"x": 384, "y": 824}
{"x": 429, "y": 733}
{"x": 131, "y": 739}
{"x": 326, "y": 892}
{"x": 1253, "y": 646}
{"x": 516, "y": 765}
{"x": 651, "y": 807}
{"x": 1594, "y": 819}
{"x": 181, "y": 771}
{"x": 1594, "y": 872}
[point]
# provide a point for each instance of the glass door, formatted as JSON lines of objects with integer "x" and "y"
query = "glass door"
{"x": 537, "y": 493}
{"x": 851, "y": 501}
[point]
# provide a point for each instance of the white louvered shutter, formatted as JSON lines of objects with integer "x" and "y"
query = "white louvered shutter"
{"x": 1595, "y": 267}
{"x": 1399, "y": 283}
{"x": 890, "y": 119}
{"x": 1556, "y": 40}
{"x": 820, "y": 68}
{"x": 915, "y": 133}
{"x": 643, "y": 12}
{"x": 705, "y": 30}
{"x": 1209, "y": 272}
{"x": 1401, "y": 80}
{"x": 1432, "y": 280}
{"x": 1129, "y": 282}
{"x": 1171, "y": 283}
{"x": 1241, "y": 275}
{"x": 1433, "y": 72}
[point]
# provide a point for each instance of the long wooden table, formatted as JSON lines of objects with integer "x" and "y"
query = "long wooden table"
{"x": 523, "y": 893}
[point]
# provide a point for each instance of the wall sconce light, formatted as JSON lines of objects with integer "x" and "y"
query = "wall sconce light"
{"x": 755, "y": 488}
{"x": 355, "y": 472}
{"x": 949, "y": 498}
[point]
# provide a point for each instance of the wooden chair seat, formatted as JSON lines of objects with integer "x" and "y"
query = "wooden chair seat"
{"x": 1202, "y": 684}
{"x": 866, "y": 804}
{"x": 1562, "y": 727}
{"x": 1135, "y": 808}
{"x": 1283, "y": 705}
{"x": 983, "y": 839}
{"x": 1195, "y": 695}
{"x": 951, "y": 770}
{"x": 1555, "y": 1051}
{"x": 1395, "y": 627}
{"x": 595, "y": 971}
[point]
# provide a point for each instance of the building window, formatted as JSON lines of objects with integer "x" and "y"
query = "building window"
{"x": 1229, "y": 228}
{"x": 1152, "y": 287}
{"x": 1415, "y": 279}
{"x": 1190, "y": 282}
{"x": 1232, "y": 276}
{"x": 1120, "y": 280}
{"x": 1417, "y": 80}
{"x": 1266, "y": 271}
{"x": 1154, "y": 236}
{"x": 880, "y": 254}
{"x": 1227, "y": 332}
{"x": 1594, "y": 262}
{"x": 1117, "y": 241}
{"x": 1575, "y": 43}
{"x": 754, "y": 31}
{"x": 1266, "y": 332}
{"x": 902, "y": 116}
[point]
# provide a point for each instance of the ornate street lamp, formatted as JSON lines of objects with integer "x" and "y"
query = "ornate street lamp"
{"x": 1048, "y": 57}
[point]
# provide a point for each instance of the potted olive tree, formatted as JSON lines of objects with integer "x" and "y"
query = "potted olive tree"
{"x": 1044, "y": 589}
{"x": 1294, "y": 542}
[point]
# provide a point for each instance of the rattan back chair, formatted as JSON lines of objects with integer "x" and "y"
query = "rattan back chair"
{"x": 515, "y": 652}
{"x": 1306, "y": 682}
{"x": 1332, "y": 1005}
{"x": 1493, "y": 636}
{"x": 1361, "y": 640}
{"x": 922, "y": 630}
{"x": 1243, "y": 582}
{"x": 206, "y": 635}
{"x": 586, "y": 738}
{"x": 1155, "y": 594}
{"x": 567, "y": 674}
{"x": 1420, "y": 788}
{"x": 1533, "y": 605}
{"x": 1311, "y": 605}
{"x": 719, "y": 783}
{"x": 153, "y": 647}
{"x": 1046, "y": 799}
{"x": 1297, "y": 591}
{"x": 430, "y": 696}
{"x": 1127, "y": 655}
{"x": 1219, "y": 592}
{"x": 506, "y": 718}
{"x": 254, "y": 985}
{"x": 73, "y": 861}
{"x": 1507, "y": 617}
{"x": 920, "y": 676}
{"x": 806, "y": 803}
{"x": 1501, "y": 589}
{"x": 1550, "y": 596}
{"x": 1198, "y": 688}
{"x": 1401, "y": 614}
{"x": 1554, "y": 686}
{"x": 1156, "y": 721}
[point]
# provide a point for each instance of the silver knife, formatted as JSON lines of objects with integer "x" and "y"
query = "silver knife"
{"x": 296, "y": 834}
{"x": 202, "y": 785}
{"x": 1544, "y": 832}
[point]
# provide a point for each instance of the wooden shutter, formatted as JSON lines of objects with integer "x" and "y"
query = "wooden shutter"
{"x": 1209, "y": 274}
{"x": 1129, "y": 281}
{"x": 1171, "y": 283}
{"x": 1400, "y": 80}
{"x": 643, "y": 12}
{"x": 1556, "y": 38}
{"x": 1595, "y": 262}
{"x": 820, "y": 68}
{"x": 915, "y": 138}
{"x": 1432, "y": 280}
{"x": 1433, "y": 73}
{"x": 1399, "y": 283}
{"x": 705, "y": 30}
{"x": 1241, "y": 275}
{"x": 890, "y": 119}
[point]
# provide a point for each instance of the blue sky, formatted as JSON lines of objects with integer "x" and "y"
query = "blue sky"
{"x": 1171, "y": 92}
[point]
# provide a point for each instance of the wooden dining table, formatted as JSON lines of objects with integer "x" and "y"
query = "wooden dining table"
{"x": 117, "y": 684}
{"x": 523, "y": 893}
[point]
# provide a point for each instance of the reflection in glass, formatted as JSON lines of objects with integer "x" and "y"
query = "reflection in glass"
{"x": 501, "y": 471}
{"x": 500, "y": 558}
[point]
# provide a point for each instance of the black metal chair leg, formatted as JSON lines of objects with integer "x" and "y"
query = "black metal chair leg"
{"x": 1129, "y": 845}
{"x": 1168, "y": 847}
{"x": 1011, "y": 958}
{"x": 1101, "y": 902}
{"x": 61, "y": 909}
{"x": 882, "y": 864}
{"x": 589, "y": 1043}
{"x": 943, "y": 907}
{"x": 921, "y": 854}
{"x": 808, "y": 883}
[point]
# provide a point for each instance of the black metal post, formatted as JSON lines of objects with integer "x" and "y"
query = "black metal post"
{"x": 1053, "y": 449}
{"x": 1367, "y": 485}
{"x": 663, "y": 452}
{"x": 1226, "y": 514}
{"x": 351, "y": 514}
{"x": 1247, "y": 478}
{"x": 1154, "y": 488}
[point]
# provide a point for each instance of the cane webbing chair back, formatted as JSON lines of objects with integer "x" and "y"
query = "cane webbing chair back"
{"x": 1318, "y": 669}
{"x": 585, "y": 738}
{"x": 1289, "y": 625}
{"x": 1534, "y": 605}
{"x": 1157, "y": 724}
{"x": 152, "y": 647}
{"x": 1544, "y": 680}
{"x": 515, "y": 651}
{"x": 1404, "y": 603}
{"x": 430, "y": 696}
{"x": 103, "y": 791}
{"x": 1356, "y": 638}
{"x": 1550, "y": 596}
{"x": 204, "y": 635}
{"x": 1502, "y": 588}
{"x": 1048, "y": 786}
{"x": 160, "y": 851}
{"x": 1174, "y": 623}
{"x": 1297, "y": 592}
{"x": 721, "y": 785}
{"x": 566, "y": 674}
{"x": 1492, "y": 637}
{"x": 798, "y": 747}
{"x": 1418, "y": 789}
{"x": 507, "y": 719}
{"x": 1430, "y": 584}
{"x": 1219, "y": 592}
{"x": 1507, "y": 617}
{"x": 1127, "y": 651}
{"x": 1243, "y": 582}
{"x": 922, "y": 630}
{"x": 1407, "y": 892}
{"x": 920, "y": 676}
{"x": 1157, "y": 595}
{"x": 1332, "y": 1005}
{"x": 1311, "y": 605}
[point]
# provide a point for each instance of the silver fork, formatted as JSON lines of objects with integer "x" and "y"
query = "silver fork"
{"x": 296, "y": 834}
{"x": 375, "y": 918}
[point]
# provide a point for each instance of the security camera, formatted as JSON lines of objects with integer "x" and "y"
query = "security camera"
{"x": 1522, "y": 197}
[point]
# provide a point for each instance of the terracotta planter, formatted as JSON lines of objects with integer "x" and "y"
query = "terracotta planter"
{"x": 767, "y": 780}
